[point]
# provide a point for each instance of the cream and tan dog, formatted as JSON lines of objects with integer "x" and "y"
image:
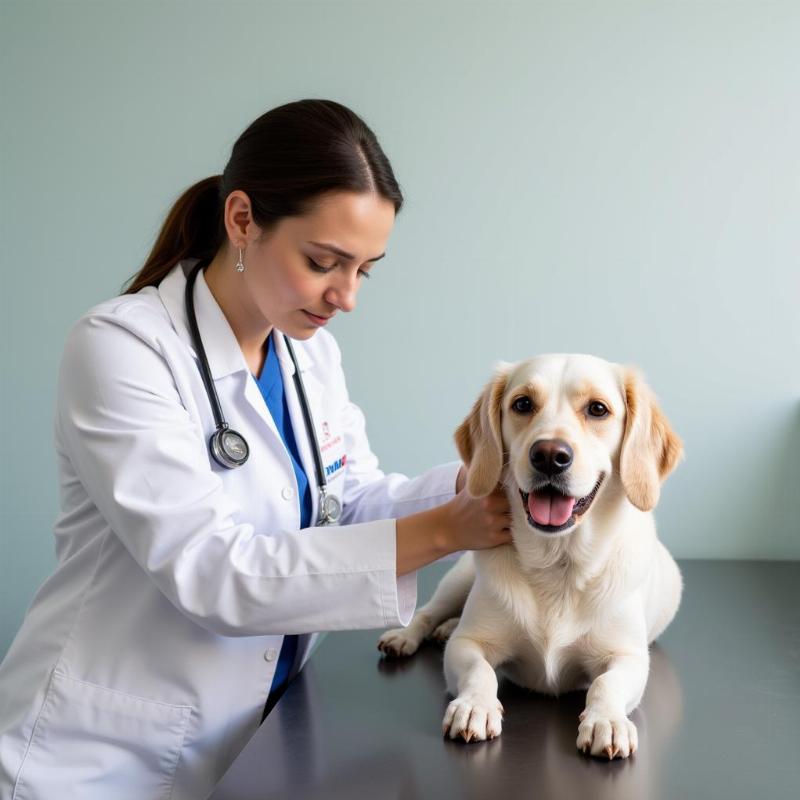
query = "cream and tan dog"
{"x": 581, "y": 448}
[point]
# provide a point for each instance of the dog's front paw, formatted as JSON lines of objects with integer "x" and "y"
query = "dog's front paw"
{"x": 442, "y": 632}
{"x": 606, "y": 733}
{"x": 399, "y": 642}
{"x": 473, "y": 718}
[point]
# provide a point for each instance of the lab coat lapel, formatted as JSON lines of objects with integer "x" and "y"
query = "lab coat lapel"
{"x": 313, "y": 389}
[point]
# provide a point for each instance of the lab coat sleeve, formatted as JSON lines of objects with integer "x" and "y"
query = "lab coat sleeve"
{"x": 143, "y": 461}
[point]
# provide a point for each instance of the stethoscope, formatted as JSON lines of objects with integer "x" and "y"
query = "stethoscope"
{"x": 228, "y": 447}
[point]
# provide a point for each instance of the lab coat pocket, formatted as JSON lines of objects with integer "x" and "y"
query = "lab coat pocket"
{"x": 91, "y": 742}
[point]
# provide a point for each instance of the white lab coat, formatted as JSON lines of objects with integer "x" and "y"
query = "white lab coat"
{"x": 143, "y": 663}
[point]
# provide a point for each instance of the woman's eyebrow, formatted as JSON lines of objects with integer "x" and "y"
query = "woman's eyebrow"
{"x": 342, "y": 253}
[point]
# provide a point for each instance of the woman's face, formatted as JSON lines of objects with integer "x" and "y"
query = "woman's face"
{"x": 294, "y": 278}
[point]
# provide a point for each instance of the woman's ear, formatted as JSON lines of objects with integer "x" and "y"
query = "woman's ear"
{"x": 650, "y": 448}
{"x": 479, "y": 438}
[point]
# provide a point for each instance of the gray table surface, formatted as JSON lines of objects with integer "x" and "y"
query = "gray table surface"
{"x": 720, "y": 717}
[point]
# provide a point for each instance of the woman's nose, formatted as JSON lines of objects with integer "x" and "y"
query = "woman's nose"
{"x": 343, "y": 293}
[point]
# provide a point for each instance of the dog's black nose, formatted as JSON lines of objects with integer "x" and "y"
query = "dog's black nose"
{"x": 551, "y": 456}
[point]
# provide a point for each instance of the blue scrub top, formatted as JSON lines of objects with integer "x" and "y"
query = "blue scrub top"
{"x": 270, "y": 382}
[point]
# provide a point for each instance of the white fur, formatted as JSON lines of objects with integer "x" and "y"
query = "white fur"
{"x": 556, "y": 611}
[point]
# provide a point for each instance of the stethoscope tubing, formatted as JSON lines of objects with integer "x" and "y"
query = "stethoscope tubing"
{"x": 329, "y": 504}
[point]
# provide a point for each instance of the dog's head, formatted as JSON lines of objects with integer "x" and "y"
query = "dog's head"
{"x": 562, "y": 428}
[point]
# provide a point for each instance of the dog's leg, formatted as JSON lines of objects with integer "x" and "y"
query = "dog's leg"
{"x": 605, "y": 727}
{"x": 443, "y": 632}
{"x": 447, "y": 602}
{"x": 476, "y": 713}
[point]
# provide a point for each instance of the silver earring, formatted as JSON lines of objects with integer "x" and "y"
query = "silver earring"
{"x": 240, "y": 263}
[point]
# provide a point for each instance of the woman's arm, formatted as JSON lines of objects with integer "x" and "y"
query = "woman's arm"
{"x": 464, "y": 523}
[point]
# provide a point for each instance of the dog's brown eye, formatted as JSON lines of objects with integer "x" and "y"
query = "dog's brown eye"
{"x": 597, "y": 409}
{"x": 522, "y": 405}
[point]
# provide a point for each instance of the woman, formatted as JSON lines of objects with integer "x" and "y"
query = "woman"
{"x": 191, "y": 582}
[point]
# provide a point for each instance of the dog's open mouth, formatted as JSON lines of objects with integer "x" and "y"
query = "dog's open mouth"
{"x": 551, "y": 511}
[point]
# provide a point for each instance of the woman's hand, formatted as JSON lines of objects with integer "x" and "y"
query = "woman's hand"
{"x": 477, "y": 523}
{"x": 463, "y": 523}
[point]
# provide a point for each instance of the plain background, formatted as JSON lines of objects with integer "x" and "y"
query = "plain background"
{"x": 617, "y": 178}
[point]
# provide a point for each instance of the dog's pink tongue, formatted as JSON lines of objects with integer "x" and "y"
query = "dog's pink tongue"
{"x": 550, "y": 509}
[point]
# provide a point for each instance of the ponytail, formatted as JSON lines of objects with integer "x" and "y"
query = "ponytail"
{"x": 192, "y": 229}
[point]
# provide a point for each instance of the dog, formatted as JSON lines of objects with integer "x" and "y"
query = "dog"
{"x": 581, "y": 447}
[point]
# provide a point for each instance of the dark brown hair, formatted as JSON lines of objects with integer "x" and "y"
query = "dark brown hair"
{"x": 282, "y": 161}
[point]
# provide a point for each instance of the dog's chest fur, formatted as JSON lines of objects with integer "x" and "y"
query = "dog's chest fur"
{"x": 550, "y": 629}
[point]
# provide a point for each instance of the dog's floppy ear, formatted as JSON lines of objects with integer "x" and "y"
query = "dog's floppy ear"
{"x": 479, "y": 438}
{"x": 650, "y": 448}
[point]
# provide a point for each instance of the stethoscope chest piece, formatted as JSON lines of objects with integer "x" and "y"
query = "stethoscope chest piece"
{"x": 228, "y": 448}
{"x": 330, "y": 509}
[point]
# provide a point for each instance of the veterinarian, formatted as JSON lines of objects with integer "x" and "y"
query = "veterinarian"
{"x": 220, "y": 503}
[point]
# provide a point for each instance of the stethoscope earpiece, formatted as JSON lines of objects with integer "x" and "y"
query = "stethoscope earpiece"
{"x": 228, "y": 447}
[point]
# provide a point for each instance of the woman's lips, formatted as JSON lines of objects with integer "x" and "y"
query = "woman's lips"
{"x": 316, "y": 319}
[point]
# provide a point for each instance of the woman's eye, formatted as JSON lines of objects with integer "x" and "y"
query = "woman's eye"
{"x": 318, "y": 267}
{"x": 522, "y": 405}
{"x": 597, "y": 409}
{"x": 324, "y": 270}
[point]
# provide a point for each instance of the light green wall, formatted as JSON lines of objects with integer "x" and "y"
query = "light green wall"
{"x": 613, "y": 178}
